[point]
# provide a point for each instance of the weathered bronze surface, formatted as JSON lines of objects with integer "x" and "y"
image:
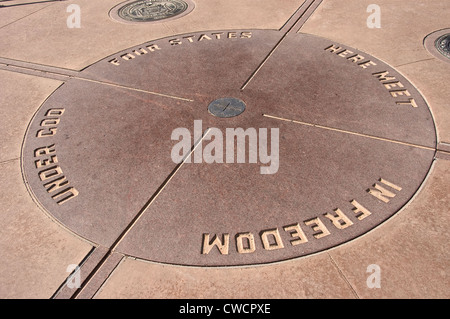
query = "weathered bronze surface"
{"x": 152, "y": 10}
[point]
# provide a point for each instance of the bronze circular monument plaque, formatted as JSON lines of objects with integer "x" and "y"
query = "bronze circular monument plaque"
{"x": 332, "y": 143}
{"x": 443, "y": 45}
{"x": 151, "y": 10}
{"x": 438, "y": 44}
{"x": 226, "y": 107}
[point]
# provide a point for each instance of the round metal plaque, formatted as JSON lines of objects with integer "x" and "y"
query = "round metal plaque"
{"x": 443, "y": 45}
{"x": 151, "y": 10}
{"x": 333, "y": 143}
{"x": 226, "y": 107}
{"x": 438, "y": 44}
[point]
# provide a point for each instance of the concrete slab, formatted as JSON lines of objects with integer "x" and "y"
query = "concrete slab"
{"x": 313, "y": 277}
{"x": 15, "y": 10}
{"x": 36, "y": 251}
{"x": 76, "y": 48}
{"x": 21, "y": 97}
{"x": 411, "y": 249}
{"x": 431, "y": 78}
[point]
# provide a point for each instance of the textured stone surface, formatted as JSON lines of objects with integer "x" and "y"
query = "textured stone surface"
{"x": 36, "y": 252}
{"x": 21, "y": 97}
{"x": 431, "y": 78}
{"x": 411, "y": 248}
{"x": 313, "y": 277}
{"x": 12, "y": 11}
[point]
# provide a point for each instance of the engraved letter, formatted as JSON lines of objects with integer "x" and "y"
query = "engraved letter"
{"x": 345, "y": 53}
{"x": 381, "y": 193}
{"x": 240, "y": 245}
{"x": 400, "y": 92}
{"x": 296, "y": 232}
{"x": 333, "y": 49}
{"x": 365, "y": 65}
{"x": 217, "y": 34}
{"x": 246, "y": 35}
{"x": 140, "y": 51}
{"x": 360, "y": 211}
{"x": 356, "y": 58}
{"x": 391, "y": 85}
{"x": 50, "y": 122}
{"x": 340, "y": 221}
{"x": 50, "y": 172}
{"x": 382, "y": 76}
{"x": 318, "y": 226}
{"x": 190, "y": 38}
{"x": 44, "y": 150}
{"x": 56, "y": 184}
{"x": 114, "y": 61}
{"x": 153, "y": 47}
{"x": 221, "y": 245}
{"x": 175, "y": 42}
{"x": 46, "y": 161}
{"x": 127, "y": 56}
{"x": 276, "y": 235}
{"x": 66, "y": 195}
{"x": 204, "y": 36}
{"x": 51, "y": 132}
{"x": 411, "y": 102}
{"x": 55, "y": 112}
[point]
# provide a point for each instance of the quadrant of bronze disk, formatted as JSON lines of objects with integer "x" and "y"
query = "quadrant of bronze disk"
{"x": 355, "y": 138}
